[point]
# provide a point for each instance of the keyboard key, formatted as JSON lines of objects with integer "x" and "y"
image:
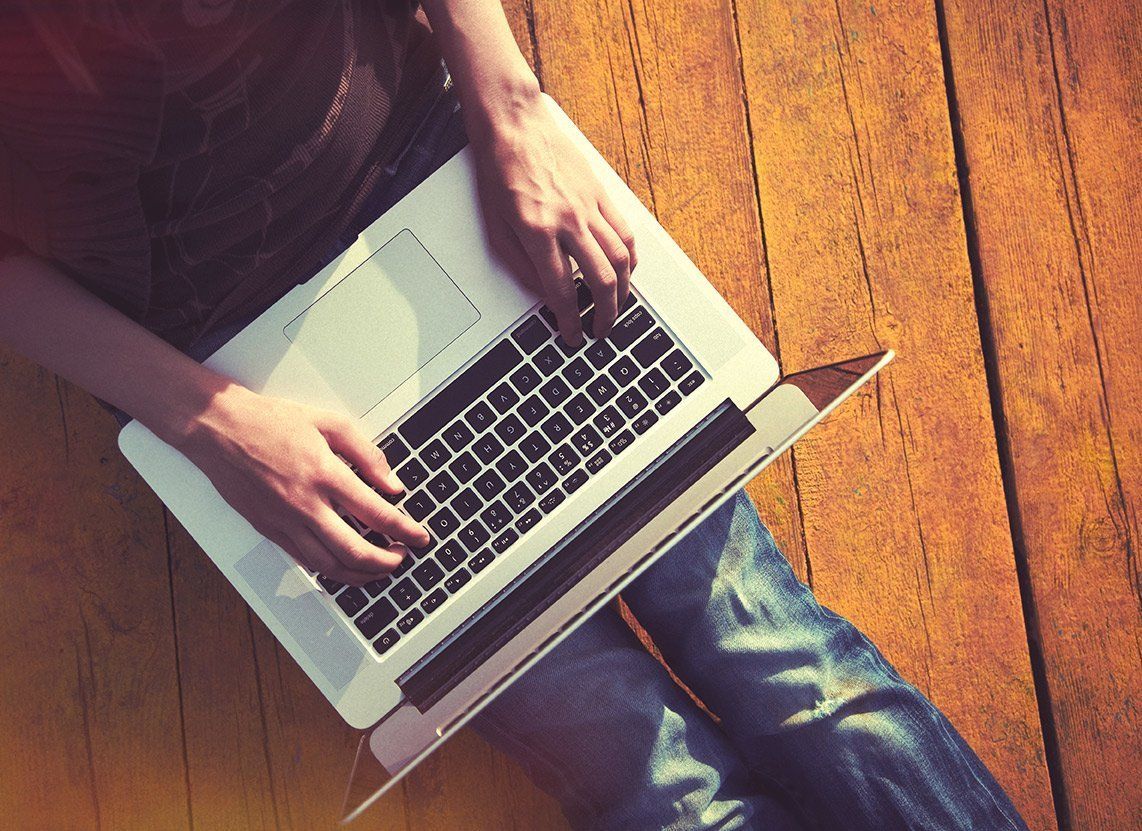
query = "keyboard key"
{"x": 511, "y": 466}
{"x": 402, "y": 569}
{"x": 550, "y": 502}
{"x": 420, "y": 551}
{"x": 433, "y": 601}
{"x": 519, "y": 497}
{"x": 473, "y": 535}
{"x": 385, "y": 642}
{"x": 330, "y": 585}
{"x": 623, "y": 371}
{"x": 549, "y": 318}
{"x": 461, "y": 393}
{"x": 428, "y": 574}
{"x": 631, "y": 328}
{"x": 487, "y": 448}
{"x": 644, "y": 422}
{"x": 608, "y": 421}
{"x": 435, "y": 454}
{"x": 652, "y": 347}
{"x": 530, "y": 335}
{"x": 631, "y": 402}
{"x": 480, "y": 561}
{"x": 667, "y": 402}
{"x": 352, "y": 600}
{"x": 410, "y": 620}
{"x": 599, "y": 353}
{"x": 455, "y": 581}
{"x": 534, "y": 446}
{"x": 654, "y": 383}
{"x": 548, "y": 360}
{"x": 489, "y": 484}
{"x": 528, "y": 521}
{"x": 458, "y": 435}
{"x": 602, "y": 389}
{"x": 691, "y": 382}
{"x": 526, "y": 378}
{"x": 541, "y": 478}
{"x": 586, "y": 440}
{"x": 564, "y": 460}
{"x": 555, "y": 391}
{"x": 395, "y": 450}
{"x": 480, "y": 417}
{"x": 575, "y": 481}
{"x": 583, "y": 298}
{"x": 503, "y": 398}
{"x": 466, "y": 503}
{"x": 577, "y": 373}
{"x": 419, "y": 505}
{"x": 676, "y": 364}
{"x": 510, "y": 429}
{"x": 464, "y": 467}
{"x": 568, "y": 349}
{"x": 556, "y": 428}
{"x": 376, "y": 587}
{"x": 450, "y": 555}
{"x": 533, "y": 410}
{"x": 496, "y": 516}
{"x": 580, "y": 408}
{"x": 621, "y": 442}
{"x": 412, "y": 474}
{"x": 405, "y": 593}
{"x": 598, "y": 461}
{"x": 443, "y": 523}
{"x": 376, "y": 618}
{"x": 504, "y": 541}
{"x": 442, "y": 486}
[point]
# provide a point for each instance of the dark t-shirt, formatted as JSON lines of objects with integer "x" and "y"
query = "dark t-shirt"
{"x": 226, "y": 146}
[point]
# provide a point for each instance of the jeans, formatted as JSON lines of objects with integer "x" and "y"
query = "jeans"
{"x": 815, "y": 729}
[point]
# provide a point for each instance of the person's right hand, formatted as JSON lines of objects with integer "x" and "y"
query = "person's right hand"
{"x": 283, "y": 466}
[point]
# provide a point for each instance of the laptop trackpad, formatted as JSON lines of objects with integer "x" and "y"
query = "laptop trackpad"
{"x": 386, "y": 319}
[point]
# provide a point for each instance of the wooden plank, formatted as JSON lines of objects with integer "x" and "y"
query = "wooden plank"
{"x": 904, "y": 508}
{"x": 1049, "y": 106}
{"x": 89, "y": 705}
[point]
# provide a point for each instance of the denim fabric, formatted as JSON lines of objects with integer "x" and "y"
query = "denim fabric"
{"x": 817, "y": 729}
{"x": 811, "y": 713}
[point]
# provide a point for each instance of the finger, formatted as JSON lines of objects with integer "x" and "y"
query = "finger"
{"x": 321, "y": 559}
{"x": 599, "y": 275}
{"x": 619, "y": 222}
{"x": 353, "y": 496}
{"x": 554, "y": 271}
{"x": 346, "y": 439}
{"x": 351, "y": 551}
{"x": 617, "y": 253}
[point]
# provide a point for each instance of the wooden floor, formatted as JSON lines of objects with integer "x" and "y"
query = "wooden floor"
{"x": 958, "y": 182}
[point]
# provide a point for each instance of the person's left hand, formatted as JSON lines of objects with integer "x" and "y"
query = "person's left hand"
{"x": 542, "y": 202}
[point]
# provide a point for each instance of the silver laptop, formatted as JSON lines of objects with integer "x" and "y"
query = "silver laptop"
{"x": 548, "y": 477}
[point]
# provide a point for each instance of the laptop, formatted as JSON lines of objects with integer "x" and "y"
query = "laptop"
{"x": 548, "y": 476}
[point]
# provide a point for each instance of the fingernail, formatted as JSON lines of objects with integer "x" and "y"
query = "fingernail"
{"x": 394, "y": 481}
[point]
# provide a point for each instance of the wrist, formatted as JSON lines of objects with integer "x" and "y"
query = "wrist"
{"x": 198, "y": 410}
{"x": 500, "y": 103}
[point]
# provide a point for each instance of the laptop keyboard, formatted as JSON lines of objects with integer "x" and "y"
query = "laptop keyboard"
{"x": 504, "y": 443}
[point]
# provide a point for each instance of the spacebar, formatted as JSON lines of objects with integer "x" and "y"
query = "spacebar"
{"x": 460, "y": 394}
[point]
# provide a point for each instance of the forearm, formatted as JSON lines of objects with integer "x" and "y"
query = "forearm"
{"x": 47, "y": 317}
{"x": 492, "y": 77}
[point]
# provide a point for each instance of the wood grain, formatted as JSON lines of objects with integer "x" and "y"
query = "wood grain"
{"x": 1049, "y": 104}
{"x": 902, "y": 497}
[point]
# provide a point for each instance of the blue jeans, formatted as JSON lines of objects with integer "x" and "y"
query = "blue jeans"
{"x": 816, "y": 729}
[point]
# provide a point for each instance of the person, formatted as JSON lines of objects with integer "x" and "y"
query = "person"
{"x": 168, "y": 170}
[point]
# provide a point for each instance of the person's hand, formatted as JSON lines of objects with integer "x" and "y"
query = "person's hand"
{"x": 542, "y": 202}
{"x": 283, "y": 467}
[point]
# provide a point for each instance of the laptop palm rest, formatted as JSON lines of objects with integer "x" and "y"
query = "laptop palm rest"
{"x": 565, "y": 565}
